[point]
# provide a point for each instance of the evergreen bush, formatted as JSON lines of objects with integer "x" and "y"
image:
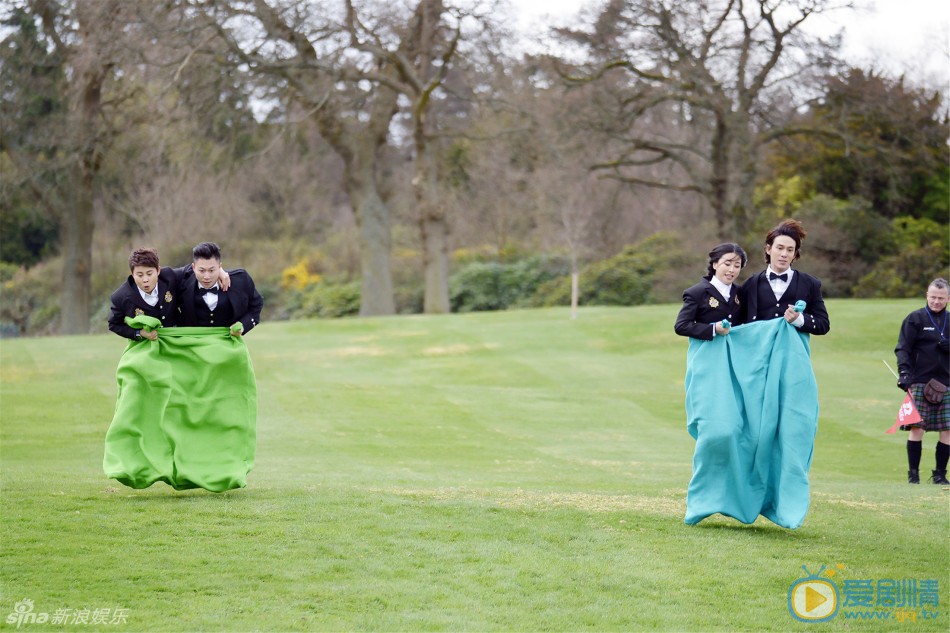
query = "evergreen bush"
{"x": 483, "y": 286}
{"x": 647, "y": 272}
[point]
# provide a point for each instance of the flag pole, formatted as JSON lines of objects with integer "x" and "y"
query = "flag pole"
{"x": 911, "y": 410}
{"x": 889, "y": 368}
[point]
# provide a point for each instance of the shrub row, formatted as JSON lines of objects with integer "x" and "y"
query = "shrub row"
{"x": 640, "y": 274}
{"x": 637, "y": 275}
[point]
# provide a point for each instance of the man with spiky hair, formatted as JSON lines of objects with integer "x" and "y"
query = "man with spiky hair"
{"x": 773, "y": 293}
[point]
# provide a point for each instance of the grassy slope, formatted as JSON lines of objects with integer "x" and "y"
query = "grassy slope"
{"x": 513, "y": 471}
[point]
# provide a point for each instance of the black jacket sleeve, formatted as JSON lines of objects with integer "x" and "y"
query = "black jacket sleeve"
{"x": 816, "y": 316}
{"x": 686, "y": 323}
{"x": 255, "y": 303}
{"x": 121, "y": 307}
{"x": 905, "y": 345}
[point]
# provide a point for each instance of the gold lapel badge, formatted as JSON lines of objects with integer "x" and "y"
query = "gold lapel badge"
{"x": 139, "y": 312}
{"x": 713, "y": 302}
{"x": 168, "y": 296}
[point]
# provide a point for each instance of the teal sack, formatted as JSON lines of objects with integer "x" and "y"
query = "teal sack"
{"x": 186, "y": 410}
{"x": 752, "y": 406}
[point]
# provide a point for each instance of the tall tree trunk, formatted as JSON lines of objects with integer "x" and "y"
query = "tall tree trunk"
{"x": 432, "y": 224}
{"x": 433, "y": 229}
{"x": 747, "y": 146}
{"x": 77, "y": 226}
{"x": 375, "y": 239}
{"x": 719, "y": 177}
{"x": 358, "y": 147}
{"x": 575, "y": 284}
{"x": 375, "y": 248}
{"x": 78, "y": 219}
{"x": 436, "y": 259}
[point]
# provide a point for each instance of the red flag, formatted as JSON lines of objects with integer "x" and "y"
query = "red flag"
{"x": 906, "y": 415}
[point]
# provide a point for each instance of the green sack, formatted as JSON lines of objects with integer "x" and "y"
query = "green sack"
{"x": 186, "y": 411}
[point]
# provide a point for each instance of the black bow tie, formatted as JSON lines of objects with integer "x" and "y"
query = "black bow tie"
{"x": 204, "y": 291}
{"x": 783, "y": 276}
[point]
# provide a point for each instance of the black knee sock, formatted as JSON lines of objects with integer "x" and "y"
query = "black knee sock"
{"x": 943, "y": 452}
{"x": 913, "y": 454}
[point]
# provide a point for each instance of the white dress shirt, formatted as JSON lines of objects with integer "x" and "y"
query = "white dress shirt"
{"x": 724, "y": 289}
{"x": 150, "y": 298}
{"x": 211, "y": 298}
{"x": 779, "y": 287}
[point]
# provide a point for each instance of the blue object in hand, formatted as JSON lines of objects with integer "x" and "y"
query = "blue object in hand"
{"x": 799, "y": 306}
{"x": 725, "y": 324}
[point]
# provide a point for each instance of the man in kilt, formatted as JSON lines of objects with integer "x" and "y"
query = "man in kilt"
{"x": 923, "y": 361}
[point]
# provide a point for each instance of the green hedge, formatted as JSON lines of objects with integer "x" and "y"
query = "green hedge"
{"x": 650, "y": 271}
{"x": 483, "y": 286}
{"x": 321, "y": 300}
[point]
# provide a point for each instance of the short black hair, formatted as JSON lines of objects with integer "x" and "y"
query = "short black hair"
{"x": 206, "y": 250}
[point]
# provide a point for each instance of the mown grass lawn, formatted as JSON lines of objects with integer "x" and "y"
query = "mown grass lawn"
{"x": 502, "y": 471}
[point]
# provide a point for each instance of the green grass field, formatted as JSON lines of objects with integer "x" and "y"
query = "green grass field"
{"x": 495, "y": 471}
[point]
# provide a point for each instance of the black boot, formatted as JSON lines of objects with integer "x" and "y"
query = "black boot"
{"x": 939, "y": 477}
{"x": 913, "y": 476}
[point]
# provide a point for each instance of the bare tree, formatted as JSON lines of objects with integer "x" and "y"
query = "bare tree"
{"x": 349, "y": 65}
{"x": 710, "y": 76}
{"x": 422, "y": 65}
{"x": 306, "y": 50}
{"x": 572, "y": 200}
{"x": 433, "y": 53}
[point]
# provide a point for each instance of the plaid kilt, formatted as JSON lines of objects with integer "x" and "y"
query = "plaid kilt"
{"x": 935, "y": 417}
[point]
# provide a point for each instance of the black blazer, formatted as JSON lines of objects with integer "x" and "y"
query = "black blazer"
{"x": 128, "y": 302}
{"x": 246, "y": 302}
{"x": 803, "y": 286}
{"x": 703, "y": 305}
